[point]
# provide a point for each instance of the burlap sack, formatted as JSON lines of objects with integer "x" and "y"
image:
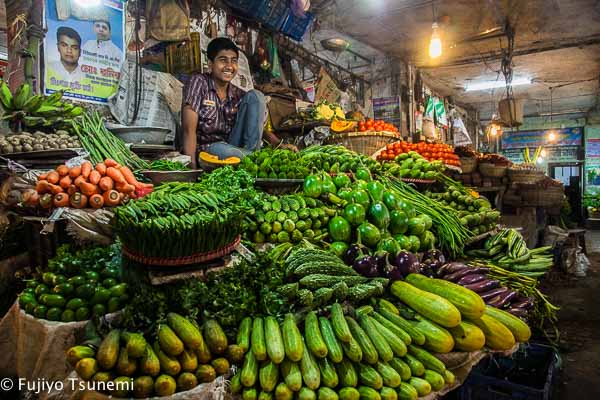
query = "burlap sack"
{"x": 168, "y": 20}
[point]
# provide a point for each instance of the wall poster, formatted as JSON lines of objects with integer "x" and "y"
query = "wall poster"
{"x": 84, "y": 48}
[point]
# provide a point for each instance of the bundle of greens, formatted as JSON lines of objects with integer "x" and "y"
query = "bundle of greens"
{"x": 166, "y": 165}
{"x": 101, "y": 144}
{"x": 183, "y": 219}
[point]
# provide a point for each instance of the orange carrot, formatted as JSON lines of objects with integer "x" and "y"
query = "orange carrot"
{"x": 129, "y": 177}
{"x": 86, "y": 168}
{"x": 116, "y": 175}
{"x": 42, "y": 187}
{"x": 78, "y": 200}
{"x": 43, "y": 177}
{"x": 61, "y": 200}
{"x": 72, "y": 190}
{"x": 111, "y": 198}
{"x": 55, "y": 189}
{"x": 148, "y": 185}
{"x": 46, "y": 200}
{"x": 96, "y": 201}
{"x": 79, "y": 180}
{"x": 101, "y": 167}
{"x": 95, "y": 177}
{"x": 125, "y": 188}
{"x": 106, "y": 183}
{"x": 109, "y": 162}
{"x": 53, "y": 177}
{"x": 65, "y": 182}
{"x": 88, "y": 188}
{"x": 75, "y": 172}
{"x": 62, "y": 170}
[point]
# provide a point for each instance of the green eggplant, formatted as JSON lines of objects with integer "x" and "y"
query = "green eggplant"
{"x": 341, "y": 180}
{"x": 416, "y": 226}
{"x": 427, "y": 241}
{"x": 379, "y": 215}
{"x": 338, "y": 248}
{"x": 404, "y": 242}
{"x": 361, "y": 197}
{"x": 390, "y": 245}
{"x": 369, "y": 234}
{"x": 313, "y": 186}
{"x": 375, "y": 189}
{"x": 415, "y": 243}
{"x": 327, "y": 185}
{"x": 345, "y": 193}
{"x": 359, "y": 185}
{"x": 340, "y": 229}
{"x": 408, "y": 209}
{"x": 428, "y": 221}
{"x": 391, "y": 200}
{"x": 398, "y": 222}
{"x": 355, "y": 213}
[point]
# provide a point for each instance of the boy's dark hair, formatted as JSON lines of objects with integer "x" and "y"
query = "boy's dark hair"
{"x": 68, "y": 32}
{"x": 218, "y": 44}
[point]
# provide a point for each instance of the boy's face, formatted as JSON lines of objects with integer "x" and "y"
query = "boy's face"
{"x": 101, "y": 30}
{"x": 69, "y": 50}
{"x": 225, "y": 66}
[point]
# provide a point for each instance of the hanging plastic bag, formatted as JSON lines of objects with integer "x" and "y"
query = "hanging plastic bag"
{"x": 440, "y": 112}
{"x": 274, "y": 56}
{"x": 168, "y": 20}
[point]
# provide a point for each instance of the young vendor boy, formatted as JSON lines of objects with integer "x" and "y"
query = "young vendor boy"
{"x": 218, "y": 117}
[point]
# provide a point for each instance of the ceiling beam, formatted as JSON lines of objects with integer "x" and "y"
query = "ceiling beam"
{"x": 535, "y": 48}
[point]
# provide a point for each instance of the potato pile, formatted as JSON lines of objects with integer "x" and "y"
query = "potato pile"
{"x": 24, "y": 142}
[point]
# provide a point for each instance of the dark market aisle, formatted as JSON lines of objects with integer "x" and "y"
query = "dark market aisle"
{"x": 579, "y": 324}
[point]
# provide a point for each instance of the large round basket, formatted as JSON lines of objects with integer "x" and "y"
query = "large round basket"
{"x": 540, "y": 197}
{"x": 364, "y": 143}
{"x": 526, "y": 176}
{"x": 492, "y": 170}
{"x": 468, "y": 164}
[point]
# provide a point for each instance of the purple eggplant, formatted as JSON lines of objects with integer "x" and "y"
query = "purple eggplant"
{"x": 483, "y": 286}
{"x": 436, "y": 257}
{"x": 493, "y": 293}
{"x": 381, "y": 259}
{"x": 353, "y": 252}
{"x": 502, "y": 300}
{"x": 525, "y": 304}
{"x": 518, "y": 312}
{"x": 364, "y": 265}
{"x": 471, "y": 278}
{"x": 407, "y": 263}
{"x": 456, "y": 276}
{"x": 450, "y": 268}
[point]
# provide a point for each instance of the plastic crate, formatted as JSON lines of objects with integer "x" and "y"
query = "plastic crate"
{"x": 296, "y": 27}
{"x": 272, "y": 13}
{"x": 527, "y": 375}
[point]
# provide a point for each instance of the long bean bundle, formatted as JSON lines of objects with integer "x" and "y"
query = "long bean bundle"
{"x": 451, "y": 234}
{"x": 101, "y": 144}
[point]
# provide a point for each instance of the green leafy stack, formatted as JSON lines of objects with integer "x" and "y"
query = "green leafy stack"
{"x": 77, "y": 285}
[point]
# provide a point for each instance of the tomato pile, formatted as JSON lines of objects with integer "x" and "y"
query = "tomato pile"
{"x": 375, "y": 125}
{"x": 429, "y": 151}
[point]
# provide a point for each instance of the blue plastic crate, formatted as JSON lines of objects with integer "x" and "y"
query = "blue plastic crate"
{"x": 272, "y": 13}
{"x": 245, "y": 6}
{"x": 527, "y": 375}
{"x": 296, "y": 27}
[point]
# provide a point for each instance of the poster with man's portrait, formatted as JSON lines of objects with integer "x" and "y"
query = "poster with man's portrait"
{"x": 84, "y": 48}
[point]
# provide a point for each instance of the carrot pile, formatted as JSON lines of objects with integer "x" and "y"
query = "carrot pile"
{"x": 108, "y": 184}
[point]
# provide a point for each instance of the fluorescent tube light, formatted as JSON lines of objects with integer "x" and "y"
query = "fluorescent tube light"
{"x": 474, "y": 86}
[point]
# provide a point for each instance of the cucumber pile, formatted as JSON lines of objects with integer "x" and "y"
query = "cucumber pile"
{"x": 182, "y": 356}
{"x": 76, "y": 286}
{"x": 474, "y": 213}
{"x": 337, "y": 356}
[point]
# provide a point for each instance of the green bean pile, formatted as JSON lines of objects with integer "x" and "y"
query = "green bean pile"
{"x": 450, "y": 232}
{"x": 166, "y": 165}
{"x": 101, "y": 144}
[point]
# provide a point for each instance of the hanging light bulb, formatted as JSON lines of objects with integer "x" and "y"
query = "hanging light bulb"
{"x": 552, "y": 136}
{"x": 435, "y": 44}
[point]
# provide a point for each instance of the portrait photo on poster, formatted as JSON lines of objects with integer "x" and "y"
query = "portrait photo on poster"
{"x": 84, "y": 49}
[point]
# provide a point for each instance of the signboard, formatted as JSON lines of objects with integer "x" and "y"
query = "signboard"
{"x": 534, "y": 139}
{"x": 592, "y": 157}
{"x": 326, "y": 88}
{"x": 554, "y": 155}
{"x": 388, "y": 109}
{"x": 83, "y": 48}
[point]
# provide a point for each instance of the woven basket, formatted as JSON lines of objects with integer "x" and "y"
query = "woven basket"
{"x": 525, "y": 176}
{"x": 364, "y": 143}
{"x": 540, "y": 197}
{"x": 491, "y": 170}
{"x": 468, "y": 164}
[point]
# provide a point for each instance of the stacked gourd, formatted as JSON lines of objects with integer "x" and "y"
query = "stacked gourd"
{"x": 338, "y": 356}
{"x": 181, "y": 357}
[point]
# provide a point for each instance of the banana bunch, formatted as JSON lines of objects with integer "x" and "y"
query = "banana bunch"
{"x": 37, "y": 111}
